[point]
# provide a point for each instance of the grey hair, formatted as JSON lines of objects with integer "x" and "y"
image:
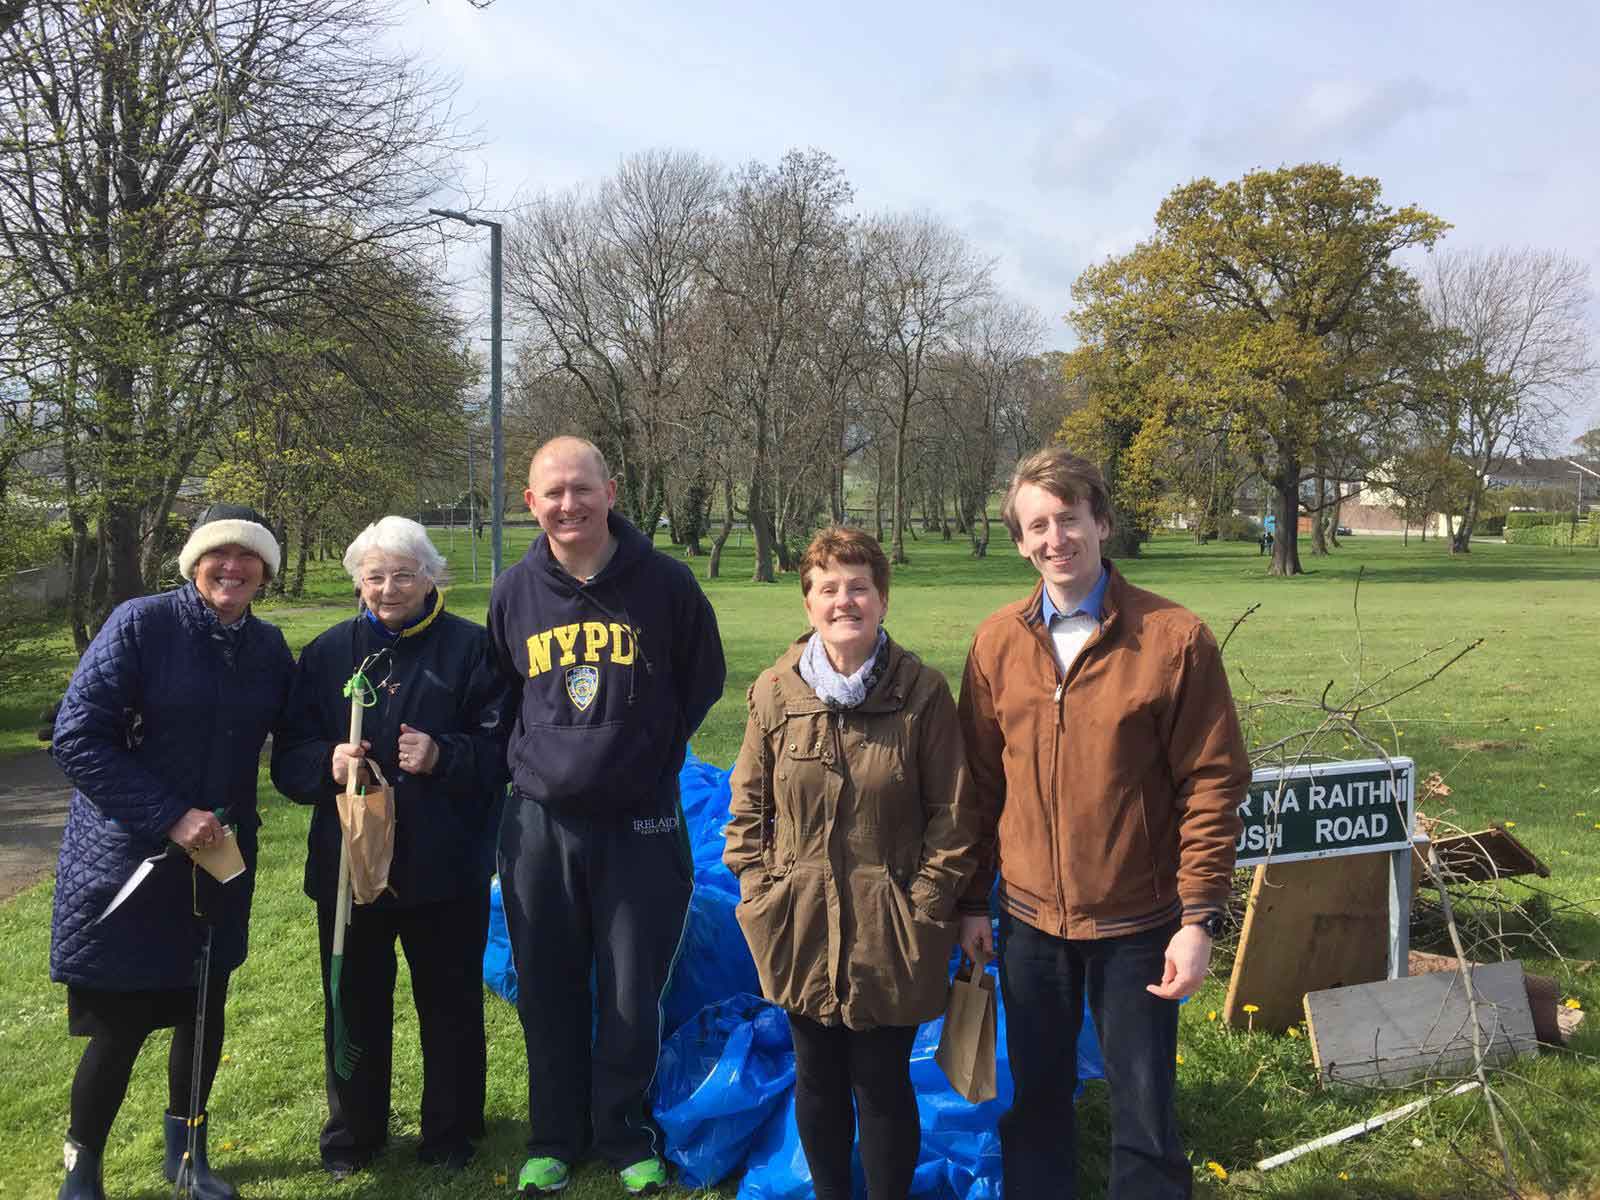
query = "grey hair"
{"x": 400, "y": 536}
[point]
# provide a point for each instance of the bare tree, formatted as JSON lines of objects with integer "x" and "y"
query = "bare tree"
{"x": 780, "y": 241}
{"x": 1513, "y": 352}
{"x": 609, "y": 281}
{"x": 920, "y": 275}
{"x": 980, "y": 391}
{"x": 173, "y": 171}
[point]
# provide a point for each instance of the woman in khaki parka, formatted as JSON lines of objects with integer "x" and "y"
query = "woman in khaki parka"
{"x": 851, "y": 832}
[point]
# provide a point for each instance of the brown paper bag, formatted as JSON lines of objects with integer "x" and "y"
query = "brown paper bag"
{"x": 368, "y": 823}
{"x": 966, "y": 1045}
{"x": 222, "y": 860}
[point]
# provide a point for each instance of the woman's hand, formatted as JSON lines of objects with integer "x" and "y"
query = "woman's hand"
{"x": 344, "y": 755}
{"x": 419, "y": 753}
{"x": 977, "y": 938}
{"x": 196, "y": 830}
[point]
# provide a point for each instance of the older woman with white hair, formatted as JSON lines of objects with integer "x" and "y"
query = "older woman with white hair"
{"x": 437, "y": 728}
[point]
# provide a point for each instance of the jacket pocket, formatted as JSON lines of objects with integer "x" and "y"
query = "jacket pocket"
{"x": 899, "y": 964}
{"x": 783, "y": 938}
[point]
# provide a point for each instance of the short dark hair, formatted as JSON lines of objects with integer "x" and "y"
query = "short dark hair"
{"x": 1066, "y": 477}
{"x": 841, "y": 544}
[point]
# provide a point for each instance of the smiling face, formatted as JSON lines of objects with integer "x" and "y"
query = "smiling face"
{"x": 570, "y": 496}
{"x": 845, "y": 607}
{"x": 1062, "y": 541}
{"x": 228, "y": 578}
{"x": 393, "y": 587}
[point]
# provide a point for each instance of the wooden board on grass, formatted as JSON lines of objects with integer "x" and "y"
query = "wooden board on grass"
{"x": 1319, "y": 923}
{"x": 1493, "y": 853}
{"x": 1395, "y": 1031}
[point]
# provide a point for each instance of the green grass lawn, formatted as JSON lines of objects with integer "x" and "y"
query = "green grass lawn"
{"x": 1510, "y": 727}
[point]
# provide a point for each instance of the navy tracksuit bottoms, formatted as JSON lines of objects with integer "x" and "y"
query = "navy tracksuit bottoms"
{"x": 606, "y": 893}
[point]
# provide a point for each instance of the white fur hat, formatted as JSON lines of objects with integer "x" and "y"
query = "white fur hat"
{"x": 230, "y": 524}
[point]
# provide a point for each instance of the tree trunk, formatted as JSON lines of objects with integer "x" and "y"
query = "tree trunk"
{"x": 1319, "y": 537}
{"x": 898, "y": 551}
{"x": 1286, "y": 542}
{"x": 980, "y": 543}
{"x": 715, "y": 564}
{"x": 760, "y": 527}
{"x": 1461, "y": 538}
{"x": 877, "y": 497}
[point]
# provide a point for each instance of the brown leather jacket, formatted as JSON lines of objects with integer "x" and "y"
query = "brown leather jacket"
{"x": 851, "y": 833}
{"x": 1109, "y": 797}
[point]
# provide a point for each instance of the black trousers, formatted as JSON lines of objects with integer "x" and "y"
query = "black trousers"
{"x": 833, "y": 1065}
{"x": 604, "y": 893}
{"x": 443, "y": 944}
{"x": 117, "y": 1026}
{"x": 1043, "y": 981}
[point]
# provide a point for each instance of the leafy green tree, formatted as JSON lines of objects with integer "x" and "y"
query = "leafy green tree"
{"x": 1268, "y": 303}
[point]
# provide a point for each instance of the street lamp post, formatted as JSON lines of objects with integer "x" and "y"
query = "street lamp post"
{"x": 497, "y": 453}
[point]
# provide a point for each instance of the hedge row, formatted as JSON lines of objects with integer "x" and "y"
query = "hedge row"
{"x": 1587, "y": 533}
{"x": 1530, "y": 520}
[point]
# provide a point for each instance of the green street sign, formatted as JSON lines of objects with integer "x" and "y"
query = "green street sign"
{"x": 1325, "y": 809}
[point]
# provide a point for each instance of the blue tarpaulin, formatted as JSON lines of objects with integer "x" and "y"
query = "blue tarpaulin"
{"x": 724, "y": 1091}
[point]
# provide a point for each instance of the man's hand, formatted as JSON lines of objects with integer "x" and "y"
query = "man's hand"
{"x": 977, "y": 938}
{"x": 1188, "y": 954}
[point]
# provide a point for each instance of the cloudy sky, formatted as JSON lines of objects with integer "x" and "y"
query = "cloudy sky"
{"x": 1049, "y": 132}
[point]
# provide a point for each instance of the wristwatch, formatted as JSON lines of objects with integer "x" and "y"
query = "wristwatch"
{"x": 1213, "y": 924}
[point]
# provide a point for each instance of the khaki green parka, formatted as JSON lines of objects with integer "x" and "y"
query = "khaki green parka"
{"x": 851, "y": 832}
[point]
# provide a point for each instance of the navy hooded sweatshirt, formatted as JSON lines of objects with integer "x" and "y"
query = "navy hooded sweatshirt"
{"x": 615, "y": 674}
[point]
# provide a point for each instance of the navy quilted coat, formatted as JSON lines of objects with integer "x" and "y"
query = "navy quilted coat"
{"x": 156, "y": 722}
{"x": 442, "y": 681}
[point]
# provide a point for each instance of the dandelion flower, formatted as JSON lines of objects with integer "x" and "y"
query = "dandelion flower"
{"x": 1211, "y": 1014}
{"x": 1572, "y": 1002}
{"x": 1344, "y": 1175}
{"x": 1293, "y": 1032}
{"x": 1255, "y": 1008}
{"x": 1513, "y": 824}
{"x": 1538, "y": 728}
{"x": 1179, "y": 1058}
{"x": 228, "y": 1145}
{"x": 1218, "y": 1170}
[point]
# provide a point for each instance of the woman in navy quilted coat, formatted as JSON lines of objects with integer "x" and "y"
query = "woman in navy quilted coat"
{"x": 161, "y": 733}
{"x": 437, "y": 727}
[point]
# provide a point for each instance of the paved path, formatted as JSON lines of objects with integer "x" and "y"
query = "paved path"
{"x": 33, "y": 810}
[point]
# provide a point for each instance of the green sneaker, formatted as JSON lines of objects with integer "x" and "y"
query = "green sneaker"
{"x": 644, "y": 1178}
{"x": 542, "y": 1176}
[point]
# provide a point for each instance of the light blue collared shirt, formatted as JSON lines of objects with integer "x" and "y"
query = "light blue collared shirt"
{"x": 1093, "y": 605}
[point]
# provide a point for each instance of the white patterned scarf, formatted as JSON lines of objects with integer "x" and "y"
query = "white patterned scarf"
{"x": 836, "y": 690}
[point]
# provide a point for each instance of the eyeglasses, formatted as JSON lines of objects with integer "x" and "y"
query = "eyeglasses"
{"x": 400, "y": 579}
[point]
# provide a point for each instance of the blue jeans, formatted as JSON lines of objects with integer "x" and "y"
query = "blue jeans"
{"x": 1043, "y": 981}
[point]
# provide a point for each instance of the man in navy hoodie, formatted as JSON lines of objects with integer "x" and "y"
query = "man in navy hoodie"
{"x": 616, "y": 651}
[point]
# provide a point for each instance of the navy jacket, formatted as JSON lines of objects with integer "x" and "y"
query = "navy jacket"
{"x": 614, "y": 674}
{"x": 441, "y": 680}
{"x": 156, "y": 722}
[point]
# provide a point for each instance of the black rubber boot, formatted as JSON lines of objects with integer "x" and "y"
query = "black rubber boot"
{"x": 83, "y": 1173}
{"x": 201, "y": 1183}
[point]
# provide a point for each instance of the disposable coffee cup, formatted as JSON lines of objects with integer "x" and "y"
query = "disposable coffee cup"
{"x": 221, "y": 860}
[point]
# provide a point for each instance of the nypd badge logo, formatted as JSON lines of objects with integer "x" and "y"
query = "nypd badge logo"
{"x": 583, "y": 684}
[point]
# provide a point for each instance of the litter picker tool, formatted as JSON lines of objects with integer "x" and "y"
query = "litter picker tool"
{"x": 362, "y": 694}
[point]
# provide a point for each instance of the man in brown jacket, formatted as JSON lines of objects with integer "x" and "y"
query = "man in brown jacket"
{"x": 1109, "y": 768}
